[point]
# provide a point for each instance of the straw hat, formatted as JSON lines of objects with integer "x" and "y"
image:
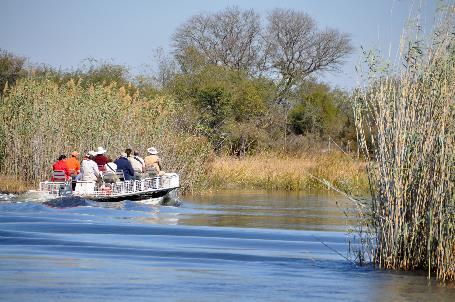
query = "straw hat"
{"x": 75, "y": 153}
{"x": 100, "y": 150}
{"x": 152, "y": 150}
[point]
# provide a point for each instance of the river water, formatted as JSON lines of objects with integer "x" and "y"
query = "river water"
{"x": 230, "y": 246}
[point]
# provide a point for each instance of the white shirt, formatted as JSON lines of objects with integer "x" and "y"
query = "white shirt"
{"x": 137, "y": 165}
{"x": 110, "y": 167}
{"x": 140, "y": 159}
{"x": 89, "y": 170}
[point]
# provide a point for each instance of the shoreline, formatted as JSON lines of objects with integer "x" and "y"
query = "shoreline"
{"x": 269, "y": 172}
{"x": 293, "y": 173}
{"x": 9, "y": 184}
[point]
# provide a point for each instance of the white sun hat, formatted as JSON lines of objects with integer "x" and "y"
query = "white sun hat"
{"x": 92, "y": 153}
{"x": 152, "y": 150}
{"x": 100, "y": 150}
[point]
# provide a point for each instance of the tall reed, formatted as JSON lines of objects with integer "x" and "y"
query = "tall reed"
{"x": 40, "y": 119}
{"x": 406, "y": 122}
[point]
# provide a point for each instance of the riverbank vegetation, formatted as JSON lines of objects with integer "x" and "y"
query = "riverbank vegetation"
{"x": 42, "y": 119}
{"x": 406, "y": 119}
{"x": 213, "y": 98}
{"x": 275, "y": 171}
{"x": 13, "y": 185}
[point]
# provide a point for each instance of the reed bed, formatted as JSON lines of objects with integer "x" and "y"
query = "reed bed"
{"x": 286, "y": 172}
{"x": 12, "y": 185}
{"x": 40, "y": 119}
{"x": 406, "y": 124}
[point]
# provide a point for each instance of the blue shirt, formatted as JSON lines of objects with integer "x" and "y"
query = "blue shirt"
{"x": 125, "y": 165}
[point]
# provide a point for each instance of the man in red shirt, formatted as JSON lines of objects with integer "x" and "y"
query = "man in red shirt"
{"x": 60, "y": 165}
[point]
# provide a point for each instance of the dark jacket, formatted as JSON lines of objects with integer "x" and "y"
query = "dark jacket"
{"x": 124, "y": 164}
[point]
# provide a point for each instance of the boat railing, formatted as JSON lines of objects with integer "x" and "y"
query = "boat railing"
{"x": 53, "y": 187}
{"x": 92, "y": 188}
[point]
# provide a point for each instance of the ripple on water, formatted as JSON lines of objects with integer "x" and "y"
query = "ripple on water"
{"x": 242, "y": 248}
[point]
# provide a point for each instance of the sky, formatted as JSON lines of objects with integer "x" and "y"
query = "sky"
{"x": 62, "y": 33}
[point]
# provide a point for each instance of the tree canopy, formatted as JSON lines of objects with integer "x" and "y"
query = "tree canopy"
{"x": 288, "y": 48}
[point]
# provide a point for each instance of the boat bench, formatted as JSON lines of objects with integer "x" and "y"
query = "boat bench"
{"x": 111, "y": 177}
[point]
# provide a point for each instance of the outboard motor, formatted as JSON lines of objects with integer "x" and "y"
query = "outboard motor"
{"x": 171, "y": 199}
{"x": 65, "y": 190}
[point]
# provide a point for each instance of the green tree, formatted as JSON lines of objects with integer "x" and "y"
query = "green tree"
{"x": 223, "y": 98}
{"x": 214, "y": 103}
{"x": 316, "y": 112}
{"x": 11, "y": 69}
{"x": 101, "y": 72}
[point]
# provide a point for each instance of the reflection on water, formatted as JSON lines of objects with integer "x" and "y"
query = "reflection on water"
{"x": 282, "y": 210}
{"x": 249, "y": 246}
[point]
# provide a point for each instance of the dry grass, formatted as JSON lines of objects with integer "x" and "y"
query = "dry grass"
{"x": 292, "y": 173}
{"x": 12, "y": 185}
{"x": 407, "y": 129}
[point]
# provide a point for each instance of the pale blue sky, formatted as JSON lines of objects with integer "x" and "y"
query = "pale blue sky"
{"x": 63, "y": 33}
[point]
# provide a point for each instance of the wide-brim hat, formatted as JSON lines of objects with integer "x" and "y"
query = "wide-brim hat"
{"x": 75, "y": 153}
{"x": 101, "y": 150}
{"x": 91, "y": 153}
{"x": 152, "y": 150}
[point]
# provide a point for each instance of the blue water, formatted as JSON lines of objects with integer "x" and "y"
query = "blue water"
{"x": 249, "y": 246}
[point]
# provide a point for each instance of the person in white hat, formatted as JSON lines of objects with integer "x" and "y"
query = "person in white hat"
{"x": 153, "y": 162}
{"x": 100, "y": 158}
{"x": 89, "y": 169}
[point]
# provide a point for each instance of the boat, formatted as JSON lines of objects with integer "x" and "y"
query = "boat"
{"x": 163, "y": 186}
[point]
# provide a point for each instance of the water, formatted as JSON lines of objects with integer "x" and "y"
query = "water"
{"x": 227, "y": 247}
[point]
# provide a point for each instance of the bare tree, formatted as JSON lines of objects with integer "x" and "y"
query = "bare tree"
{"x": 166, "y": 68}
{"x": 230, "y": 38}
{"x": 289, "y": 48}
{"x": 296, "y": 48}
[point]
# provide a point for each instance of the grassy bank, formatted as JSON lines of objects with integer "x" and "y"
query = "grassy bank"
{"x": 12, "y": 185}
{"x": 286, "y": 172}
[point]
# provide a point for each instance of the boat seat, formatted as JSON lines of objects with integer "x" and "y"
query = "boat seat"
{"x": 58, "y": 176}
{"x": 120, "y": 175}
{"x": 111, "y": 177}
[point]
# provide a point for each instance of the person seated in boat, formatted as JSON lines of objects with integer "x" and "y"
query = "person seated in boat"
{"x": 135, "y": 163}
{"x": 137, "y": 167}
{"x": 60, "y": 165}
{"x": 139, "y": 159}
{"x": 100, "y": 158}
{"x": 110, "y": 166}
{"x": 89, "y": 168}
{"x": 74, "y": 166}
{"x": 109, "y": 175}
{"x": 123, "y": 164}
{"x": 153, "y": 162}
